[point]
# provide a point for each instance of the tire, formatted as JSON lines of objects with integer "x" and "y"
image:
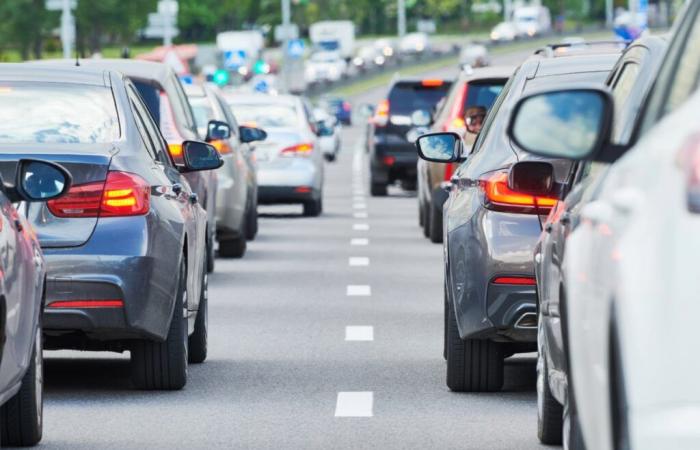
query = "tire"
{"x": 21, "y": 417}
{"x": 329, "y": 157}
{"x": 313, "y": 208}
{"x": 377, "y": 189}
{"x": 211, "y": 255}
{"x": 252, "y": 223}
{"x": 473, "y": 365}
{"x": 426, "y": 220}
{"x": 550, "y": 413}
{"x": 157, "y": 365}
{"x": 444, "y": 329}
{"x": 421, "y": 216}
{"x": 197, "y": 343}
{"x": 435, "y": 219}
{"x": 233, "y": 248}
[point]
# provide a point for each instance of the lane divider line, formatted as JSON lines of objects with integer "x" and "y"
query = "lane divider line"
{"x": 362, "y": 333}
{"x": 354, "y": 404}
{"x": 360, "y": 226}
{"x": 358, "y": 261}
{"x": 358, "y": 290}
{"x": 360, "y": 215}
{"x": 359, "y": 241}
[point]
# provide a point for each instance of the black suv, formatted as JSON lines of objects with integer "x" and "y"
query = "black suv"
{"x": 399, "y": 119}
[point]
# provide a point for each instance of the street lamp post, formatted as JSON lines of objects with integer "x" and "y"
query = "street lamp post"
{"x": 401, "y": 25}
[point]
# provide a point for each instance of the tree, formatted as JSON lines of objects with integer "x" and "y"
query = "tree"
{"x": 23, "y": 26}
{"x": 110, "y": 21}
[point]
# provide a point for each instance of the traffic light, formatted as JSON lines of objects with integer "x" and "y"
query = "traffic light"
{"x": 221, "y": 77}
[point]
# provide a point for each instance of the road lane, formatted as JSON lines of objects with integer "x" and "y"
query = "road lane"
{"x": 279, "y": 354}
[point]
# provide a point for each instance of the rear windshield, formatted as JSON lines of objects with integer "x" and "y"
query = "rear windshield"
{"x": 483, "y": 94}
{"x": 265, "y": 115}
{"x": 57, "y": 113}
{"x": 202, "y": 110}
{"x": 405, "y": 98}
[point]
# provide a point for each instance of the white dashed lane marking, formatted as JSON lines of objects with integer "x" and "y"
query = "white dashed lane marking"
{"x": 359, "y": 206}
{"x": 354, "y": 404}
{"x": 359, "y": 241}
{"x": 359, "y": 333}
{"x": 357, "y": 261}
{"x": 360, "y": 215}
{"x": 358, "y": 290}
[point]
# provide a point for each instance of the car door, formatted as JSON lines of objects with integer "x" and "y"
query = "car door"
{"x": 175, "y": 189}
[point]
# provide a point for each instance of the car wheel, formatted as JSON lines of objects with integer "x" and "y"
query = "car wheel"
{"x": 444, "y": 329}
{"x": 163, "y": 365}
{"x": 435, "y": 219}
{"x": 21, "y": 417}
{"x": 378, "y": 190}
{"x": 330, "y": 157}
{"x": 549, "y": 410}
{"x": 197, "y": 346}
{"x": 473, "y": 365}
{"x": 421, "y": 216}
{"x": 313, "y": 208}
{"x": 252, "y": 225}
{"x": 211, "y": 256}
{"x": 233, "y": 248}
{"x": 426, "y": 221}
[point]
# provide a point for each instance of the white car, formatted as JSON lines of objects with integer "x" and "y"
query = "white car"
{"x": 328, "y": 130}
{"x": 504, "y": 32}
{"x": 325, "y": 66}
{"x": 474, "y": 55}
{"x": 414, "y": 44}
{"x": 631, "y": 267}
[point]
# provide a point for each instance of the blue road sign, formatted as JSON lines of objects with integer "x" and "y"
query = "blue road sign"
{"x": 233, "y": 59}
{"x": 295, "y": 48}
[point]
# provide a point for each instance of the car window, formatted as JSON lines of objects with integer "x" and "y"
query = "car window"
{"x": 230, "y": 118}
{"x": 685, "y": 80}
{"x": 266, "y": 115}
{"x": 182, "y": 104}
{"x": 483, "y": 93}
{"x": 491, "y": 116}
{"x": 57, "y": 113}
{"x": 141, "y": 125}
{"x": 621, "y": 92}
{"x": 153, "y": 131}
{"x": 405, "y": 98}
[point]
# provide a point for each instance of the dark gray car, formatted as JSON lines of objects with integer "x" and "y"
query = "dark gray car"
{"x": 490, "y": 232}
{"x": 125, "y": 246}
{"x": 22, "y": 285}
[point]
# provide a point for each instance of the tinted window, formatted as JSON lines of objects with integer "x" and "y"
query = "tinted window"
{"x": 621, "y": 92}
{"x": 405, "y": 98}
{"x": 483, "y": 94}
{"x": 266, "y": 115}
{"x": 57, "y": 113}
{"x": 151, "y": 97}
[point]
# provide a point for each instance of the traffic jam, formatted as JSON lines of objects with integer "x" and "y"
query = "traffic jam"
{"x": 490, "y": 247}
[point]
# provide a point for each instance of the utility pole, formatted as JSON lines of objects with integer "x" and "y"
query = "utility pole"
{"x": 401, "y": 25}
{"x": 609, "y": 13}
{"x": 67, "y": 29}
{"x": 507, "y": 10}
{"x": 286, "y": 22}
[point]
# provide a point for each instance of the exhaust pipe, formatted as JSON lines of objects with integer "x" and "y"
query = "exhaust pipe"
{"x": 527, "y": 321}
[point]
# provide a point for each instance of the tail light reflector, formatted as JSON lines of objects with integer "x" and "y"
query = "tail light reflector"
{"x": 449, "y": 170}
{"x": 87, "y": 304}
{"x": 389, "y": 160}
{"x": 346, "y": 106}
{"x": 455, "y": 121}
{"x": 222, "y": 147}
{"x": 498, "y": 196}
{"x": 517, "y": 280}
{"x": 121, "y": 194}
{"x": 303, "y": 189}
{"x": 303, "y": 149}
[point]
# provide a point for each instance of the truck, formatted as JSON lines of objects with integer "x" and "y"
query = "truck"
{"x": 240, "y": 49}
{"x": 334, "y": 35}
{"x": 531, "y": 21}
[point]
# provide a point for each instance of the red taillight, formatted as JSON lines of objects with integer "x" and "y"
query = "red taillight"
{"x": 389, "y": 160}
{"x": 304, "y": 149}
{"x": 303, "y": 189}
{"x": 346, "y": 106}
{"x": 222, "y": 147}
{"x": 520, "y": 281}
{"x": 500, "y": 197}
{"x": 449, "y": 170}
{"x": 121, "y": 194}
{"x": 82, "y": 304}
{"x": 381, "y": 116}
{"x": 432, "y": 83}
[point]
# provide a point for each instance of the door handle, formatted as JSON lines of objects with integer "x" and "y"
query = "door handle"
{"x": 565, "y": 218}
{"x": 177, "y": 188}
{"x": 548, "y": 227}
{"x": 194, "y": 198}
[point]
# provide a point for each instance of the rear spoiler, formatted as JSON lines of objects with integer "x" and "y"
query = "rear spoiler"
{"x": 550, "y": 50}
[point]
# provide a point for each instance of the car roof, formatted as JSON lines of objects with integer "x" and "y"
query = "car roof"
{"x": 578, "y": 63}
{"x": 489, "y": 72}
{"x": 147, "y": 70}
{"x": 73, "y": 74}
{"x": 290, "y": 100}
{"x": 418, "y": 80}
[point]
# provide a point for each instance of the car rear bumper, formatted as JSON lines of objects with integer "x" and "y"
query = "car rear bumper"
{"x": 268, "y": 195}
{"x": 390, "y": 162}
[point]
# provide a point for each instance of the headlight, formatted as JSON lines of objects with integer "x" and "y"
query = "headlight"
{"x": 243, "y": 70}
{"x": 388, "y": 51}
{"x": 495, "y": 36}
{"x": 358, "y": 61}
{"x": 420, "y": 47}
{"x": 379, "y": 60}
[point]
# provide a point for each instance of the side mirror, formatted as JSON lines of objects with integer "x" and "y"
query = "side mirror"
{"x": 39, "y": 181}
{"x": 474, "y": 118}
{"x": 421, "y": 118}
{"x": 571, "y": 124}
{"x": 440, "y": 147}
{"x": 251, "y": 134}
{"x": 200, "y": 156}
{"x": 218, "y": 131}
{"x": 532, "y": 177}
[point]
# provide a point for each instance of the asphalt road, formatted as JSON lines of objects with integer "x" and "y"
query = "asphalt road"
{"x": 281, "y": 373}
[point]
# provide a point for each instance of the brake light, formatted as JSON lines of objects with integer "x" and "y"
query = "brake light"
{"x": 381, "y": 116}
{"x": 498, "y": 196}
{"x": 121, "y": 194}
{"x": 87, "y": 304}
{"x": 449, "y": 170}
{"x": 222, "y": 147}
{"x": 389, "y": 160}
{"x": 346, "y": 106}
{"x": 517, "y": 280}
{"x": 303, "y": 149}
{"x": 432, "y": 83}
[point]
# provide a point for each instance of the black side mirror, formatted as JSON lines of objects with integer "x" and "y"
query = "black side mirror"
{"x": 200, "y": 156}
{"x": 440, "y": 147}
{"x": 39, "y": 181}
{"x": 251, "y": 134}
{"x": 218, "y": 131}
{"x": 532, "y": 177}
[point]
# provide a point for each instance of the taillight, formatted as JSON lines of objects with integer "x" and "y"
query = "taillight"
{"x": 381, "y": 116}
{"x": 222, "y": 147}
{"x": 517, "y": 280}
{"x": 303, "y": 149}
{"x": 498, "y": 196}
{"x": 449, "y": 170}
{"x": 121, "y": 194}
{"x": 346, "y": 106}
{"x": 432, "y": 83}
{"x": 455, "y": 122}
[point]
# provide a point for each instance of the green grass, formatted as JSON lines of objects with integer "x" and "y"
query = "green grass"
{"x": 12, "y": 55}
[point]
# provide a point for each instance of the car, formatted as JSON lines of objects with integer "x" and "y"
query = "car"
{"x": 367, "y": 58}
{"x": 491, "y": 228}
{"x": 338, "y": 107}
{"x": 414, "y": 45}
{"x": 629, "y": 84}
{"x": 462, "y": 110}
{"x": 405, "y": 112}
{"x": 24, "y": 277}
{"x": 125, "y": 246}
{"x": 328, "y": 134}
{"x": 504, "y": 32}
{"x": 290, "y": 160}
{"x": 474, "y": 55}
{"x": 325, "y": 66}
{"x": 237, "y": 193}
{"x": 163, "y": 93}
{"x": 628, "y": 280}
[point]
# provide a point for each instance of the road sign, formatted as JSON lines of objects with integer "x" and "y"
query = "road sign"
{"x": 57, "y": 5}
{"x": 168, "y": 7}
{"x": 160, "y": 32}
{"x": 295, "y": 48}
{"x": 233, "y": 59}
